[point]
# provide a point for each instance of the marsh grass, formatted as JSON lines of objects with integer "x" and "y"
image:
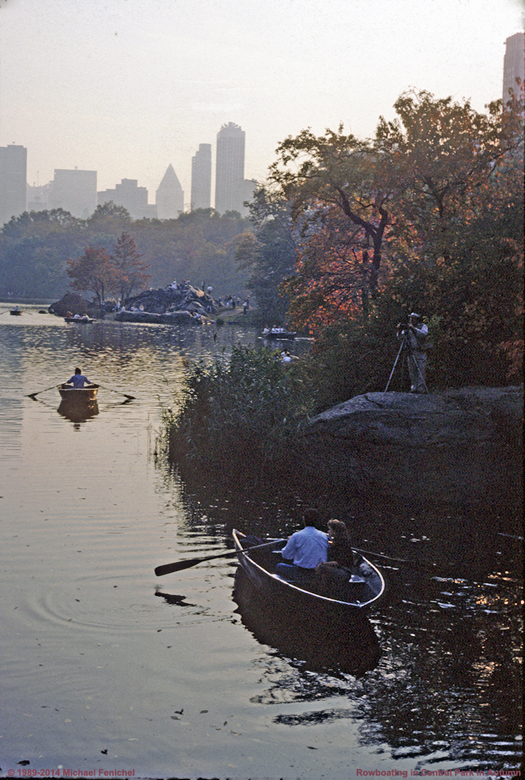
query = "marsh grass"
{"x": 240, "y": 415}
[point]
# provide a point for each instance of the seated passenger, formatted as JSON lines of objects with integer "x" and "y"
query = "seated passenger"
{"x": 338, "y": 568}
{"x": 306, "y": 549}
{"x": 78, "y": 380}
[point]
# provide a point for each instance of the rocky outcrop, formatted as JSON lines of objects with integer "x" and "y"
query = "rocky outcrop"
{"x": 179, "y": 305}
{"x": 70, "y": 302}
{"x": 174, "y": 318}
{"x": 459, "y": 446}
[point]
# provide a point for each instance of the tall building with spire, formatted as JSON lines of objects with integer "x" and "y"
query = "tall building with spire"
{"x": 201, "y": 178}
{"x": 169, "y": 197}
{"x": 13, "y": 181}
{"x": 513, "y": 63}
{"x": 229, "y": 170}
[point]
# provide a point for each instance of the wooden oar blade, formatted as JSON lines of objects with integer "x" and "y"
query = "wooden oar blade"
{"x": 169, "y": 568}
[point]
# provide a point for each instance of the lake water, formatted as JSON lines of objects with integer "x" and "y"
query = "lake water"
{"x": 110, "y": 670}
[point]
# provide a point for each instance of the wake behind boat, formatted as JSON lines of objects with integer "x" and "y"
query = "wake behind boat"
{"x": 365, "y": 584}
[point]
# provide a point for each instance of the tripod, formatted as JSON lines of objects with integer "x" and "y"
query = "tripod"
{"x": 405, "y": 346}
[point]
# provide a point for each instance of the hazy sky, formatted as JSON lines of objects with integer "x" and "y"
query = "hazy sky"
{"x": 126, "y": 87}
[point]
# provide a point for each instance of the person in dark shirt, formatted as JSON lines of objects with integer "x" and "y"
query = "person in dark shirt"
{"x": 337, "y": 569}
{"x": 340, "y": 550}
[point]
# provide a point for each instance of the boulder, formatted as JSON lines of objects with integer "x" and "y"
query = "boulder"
{"x": 184, "y": 298}
{"x": 70, "y": 302}
{"x": 460, "y": 446}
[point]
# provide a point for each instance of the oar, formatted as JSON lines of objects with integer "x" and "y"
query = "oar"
{"x": 169, "y": 568}
{"x": 34, "y": 395}
{"x": 110, "y": 389}
{"x": 397, "y": 560}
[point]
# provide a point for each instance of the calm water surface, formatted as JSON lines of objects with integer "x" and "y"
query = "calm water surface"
{"x": 106, "y": 667}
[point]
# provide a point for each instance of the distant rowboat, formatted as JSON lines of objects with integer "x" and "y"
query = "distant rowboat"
{"x": 78, "y": 395}
{"x": 15, "y": 312}
{"x": 276, "y": 333}
{"x": 81, "y": 320}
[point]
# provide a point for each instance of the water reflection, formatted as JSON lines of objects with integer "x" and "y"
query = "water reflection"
{"x": 87, "y": 633}
{"x": 347, "y": 645}
{"x": 78, "y": 412}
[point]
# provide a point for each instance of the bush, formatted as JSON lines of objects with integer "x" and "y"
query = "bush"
{"x": 239, "y": 414}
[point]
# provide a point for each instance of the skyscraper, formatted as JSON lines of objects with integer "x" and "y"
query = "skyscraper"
{"x": 132, "y": 197}
{"x": 513, "y": 63}
{"x": 229, "y": 171}
{"x": 169, "y": 197}
{"x": 74, "y": 191}
{"x": 201, "y": 178}
{"x": 13, "y": 181}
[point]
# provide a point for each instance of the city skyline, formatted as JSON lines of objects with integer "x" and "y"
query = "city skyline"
{"x": 127, "y": 88}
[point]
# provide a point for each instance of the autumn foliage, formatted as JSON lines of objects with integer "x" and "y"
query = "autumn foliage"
{"x": 427, "y": 215}
{"x": 103, "y": 273}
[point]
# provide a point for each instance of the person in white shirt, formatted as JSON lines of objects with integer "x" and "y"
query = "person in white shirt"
{"x": 306, "y": 549}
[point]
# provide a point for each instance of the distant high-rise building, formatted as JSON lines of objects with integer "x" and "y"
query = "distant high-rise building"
{"x": 169, "y": 197}
{"x": 201, "y": 178}
{"x": 132, "y": 197}
{"x": 74, "y": 191}
{"x": 229, "y": 171}
{"x": 13, "y": 181}
{"x": 513, "y": 63}
{"x": 38, "y": 197}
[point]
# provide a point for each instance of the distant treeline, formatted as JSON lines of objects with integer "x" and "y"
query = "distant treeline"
{"x": 199, "y": 246}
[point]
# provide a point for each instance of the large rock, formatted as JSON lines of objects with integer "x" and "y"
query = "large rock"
{"x": 169, "y": 301}
{"x": 460, "y": 446}
{"x": 70, "y": 302}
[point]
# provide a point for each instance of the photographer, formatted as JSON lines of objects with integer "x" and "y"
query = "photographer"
{"x": 415, "y": 334}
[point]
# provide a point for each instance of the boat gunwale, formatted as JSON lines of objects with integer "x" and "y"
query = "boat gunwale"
{"x": 82, "y": 394}
{"x": 318, "y": 597}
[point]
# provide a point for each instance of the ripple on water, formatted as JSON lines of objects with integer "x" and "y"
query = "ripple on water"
{"x": 113, "y": 605}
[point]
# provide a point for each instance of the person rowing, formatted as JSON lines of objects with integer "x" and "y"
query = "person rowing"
{"x": 78, "y": 380}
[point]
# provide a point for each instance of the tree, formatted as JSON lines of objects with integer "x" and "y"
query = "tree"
{"x": 93, "y": 271}
{"x": 440, "y": 157}
{"x": 130, "y": 271}
{"x": 269, "y": 253}
{"x": 34, "y": 248}
{"x": 338, "y": 172}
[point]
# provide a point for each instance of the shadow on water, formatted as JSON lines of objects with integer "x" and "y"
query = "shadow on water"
{"x": 173, "y": 598}
{"x": 318, "y": 643}
{"x": 78, "y": 413}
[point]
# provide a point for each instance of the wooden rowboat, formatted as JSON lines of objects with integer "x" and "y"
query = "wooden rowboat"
{"x": 15, "y": 312}
{"x": 78, "y": 395}
{"x": 365, "y": 584}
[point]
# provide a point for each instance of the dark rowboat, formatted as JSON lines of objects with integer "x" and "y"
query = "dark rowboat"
{"x": 365, "y": 584}
{"x": 15, "y": 312}
{"x": 78, "y": 395}
{"x": 278, "y": 334}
